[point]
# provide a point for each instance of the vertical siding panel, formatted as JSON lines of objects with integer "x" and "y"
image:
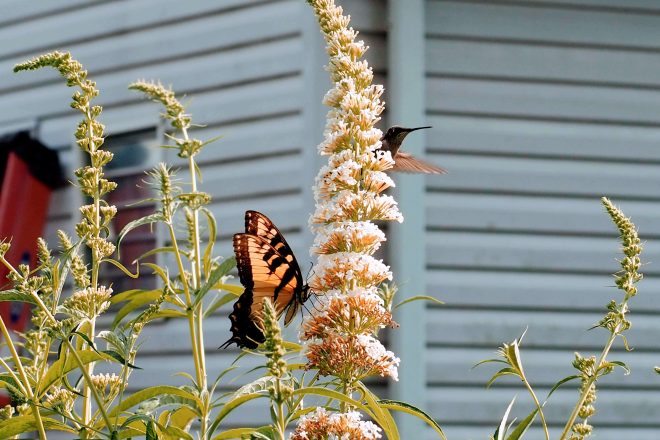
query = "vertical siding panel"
{"x": 537, "y": 110}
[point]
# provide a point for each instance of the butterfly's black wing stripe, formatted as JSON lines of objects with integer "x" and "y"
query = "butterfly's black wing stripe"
{"x": 245, "y": 332}
{"x": 258, "y": 224}
{"x": 265, "y": 273}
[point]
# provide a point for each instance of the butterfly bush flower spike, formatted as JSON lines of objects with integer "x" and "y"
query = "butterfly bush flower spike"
{"x": 323, "y": 425}
{"x": 341, "y": 337}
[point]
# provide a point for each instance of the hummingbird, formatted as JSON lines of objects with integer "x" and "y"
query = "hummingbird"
{"x": 406, "y": 162}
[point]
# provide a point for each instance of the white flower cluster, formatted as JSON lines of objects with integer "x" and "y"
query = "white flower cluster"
{"x": 342, "y": 426}
{"x": 378, "y": 352}
{"x": 349, "y": 199}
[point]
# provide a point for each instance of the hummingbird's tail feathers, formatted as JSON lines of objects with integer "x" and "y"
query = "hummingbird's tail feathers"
{"x": 407, "y": 163}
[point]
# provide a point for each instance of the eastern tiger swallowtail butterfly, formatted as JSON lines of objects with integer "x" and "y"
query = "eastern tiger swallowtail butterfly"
{"x": 267, "y": 268}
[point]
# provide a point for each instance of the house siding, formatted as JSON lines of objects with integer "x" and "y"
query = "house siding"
{"x": 538, "y": 108}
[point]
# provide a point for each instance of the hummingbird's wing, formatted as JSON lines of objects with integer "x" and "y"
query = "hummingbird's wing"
{"x": 407, "y": 163}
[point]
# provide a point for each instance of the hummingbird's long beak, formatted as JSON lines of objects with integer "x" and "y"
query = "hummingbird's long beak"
{"x": 417, "y": 128}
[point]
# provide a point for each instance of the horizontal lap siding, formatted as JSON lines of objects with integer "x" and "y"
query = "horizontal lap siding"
{"x": 539, "y": 108}
{"x": 239, "y": 65}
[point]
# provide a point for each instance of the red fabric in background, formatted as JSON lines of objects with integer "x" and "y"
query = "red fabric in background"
{"x": 23, "y": 209}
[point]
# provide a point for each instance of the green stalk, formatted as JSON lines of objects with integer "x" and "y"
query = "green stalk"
{"x": 89, "y": 369}
{"x": 538, "y": 405}
{"x": 588, "y": 384}
{"x": 189, "y": 310}
{"x": 198, "y": 313}
{"x": 281, "y": 422}
{"x": 26, "y": 383}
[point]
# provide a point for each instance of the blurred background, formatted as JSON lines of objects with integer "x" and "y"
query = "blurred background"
{"x": 538, "y": 108}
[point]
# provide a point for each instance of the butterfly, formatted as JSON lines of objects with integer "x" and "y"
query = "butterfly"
{"x": 267, "y": 268}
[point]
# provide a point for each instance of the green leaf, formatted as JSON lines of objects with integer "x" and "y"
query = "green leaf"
{"x": 149, "y": 393}
{"x": 146, "y": 220}
{"x": 20, "y": 424}
{"x": 223, "y": 269}
{"x": 562, "y": 382}
{"x": 168, "y": 313}
{"x": 137, "y": 301}
{"x": 119, "y": 358}
{"x": 412, "y": 410}
{"x": 8, "y": 382}
{"x": 419, "y": 298}
{"x": 174, "y": 433}
{"x": 508, "y": 371}
{"x": 621, "y": 364}
{"x": 334, "y": 395}
{"x": 235, "y": 433}
{"x": 158, "y": 271}
{"x": 123, "y": 268}
{"x": 215, "y": 305}
{"x": 129, "y": 295}
{"x": 151, "y": 434}
{"x": 65, "y": 365}
{"x": 523, "y": 426}
{"x": 85, "y": 338}
{"x": 234, "y": 289}
{"x": 14, "y": 295}
{"x": 228, "y": 407}
{"x": 500, "y": 432}
{"x": 382, "y": 414}
{"x": 213, "y": 139}
{"x": 154, "y": 251}
{"x": 213, "y": 233}
{"x": 181, "y": 418}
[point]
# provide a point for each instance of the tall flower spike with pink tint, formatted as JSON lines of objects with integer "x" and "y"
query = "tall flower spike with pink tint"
{"x": 341, "y": 337}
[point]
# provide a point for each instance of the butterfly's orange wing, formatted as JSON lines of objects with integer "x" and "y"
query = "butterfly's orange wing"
{"x": 268, "y": 269}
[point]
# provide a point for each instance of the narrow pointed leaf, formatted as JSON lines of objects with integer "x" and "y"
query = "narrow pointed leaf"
{"x": 14, "y": 295}
{"x": 383, "y": 416}
{"x": 123, "y": 268}
{"x": 146, "y": 220}
{"x": 65, "y": 365}
{"x": 562, "y": 382}
{"x": 149, "y": 393}
{"x": 223, "y": 269}
{"x": 501, "y": 430}
{"x": 119, "y": 358}
{"x": 419, "y": 298}
{"x": 20, "y": 424}
{"x": 229, "y": 407}
{"x": 523, "y": 426}
{"x": 414, "y": 411}
{"x": 215, "y": 305}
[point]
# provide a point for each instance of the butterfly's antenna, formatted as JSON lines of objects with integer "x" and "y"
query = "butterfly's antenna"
{"x": 309, "y": 271}
{"x": 315, "y": 306}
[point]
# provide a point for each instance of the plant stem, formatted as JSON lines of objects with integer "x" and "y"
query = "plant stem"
{"x": 189, "y": 309}
{"x": 89, "y": 368}
{"x": 88, "y": 381}
{"x": 538, "y": 405}
{"x": 198, "y": 312}
{"x": 26, "y": 383}
{"x": 588, "y": 384}
{"x": 280, "y": 422}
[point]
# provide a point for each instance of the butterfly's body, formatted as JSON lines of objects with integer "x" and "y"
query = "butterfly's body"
{"x": 267, "y": 268}
{"x": 405, "y": 162}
